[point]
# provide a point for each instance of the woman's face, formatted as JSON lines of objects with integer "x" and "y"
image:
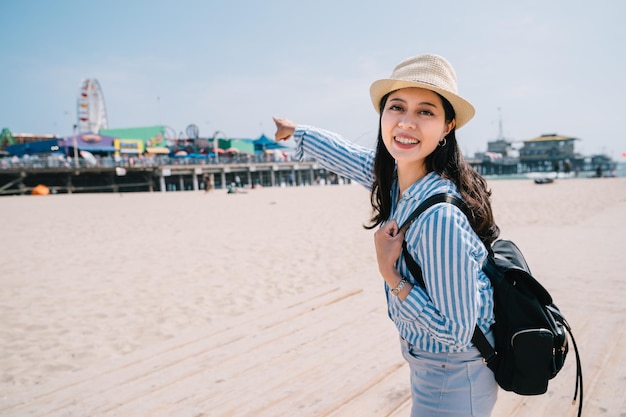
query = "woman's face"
{"x": 412, "y": 125}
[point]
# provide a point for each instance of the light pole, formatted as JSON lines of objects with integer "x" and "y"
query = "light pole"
{"x": 76, "y": 149}
{"x": 215, "y": 144}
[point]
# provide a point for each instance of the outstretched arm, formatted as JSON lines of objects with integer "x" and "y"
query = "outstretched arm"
{"x": 330, "y": 150}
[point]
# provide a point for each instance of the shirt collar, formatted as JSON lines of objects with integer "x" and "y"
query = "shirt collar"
{"x": 421, "y": 188}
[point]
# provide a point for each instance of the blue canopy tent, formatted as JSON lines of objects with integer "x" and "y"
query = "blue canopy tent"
{"x": 265, "y": 144}
{"x": 36, "y": 148}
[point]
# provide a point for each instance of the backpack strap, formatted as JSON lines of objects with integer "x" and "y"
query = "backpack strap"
{"x": 478, "y": 337}
{"x": 429, "y": 202}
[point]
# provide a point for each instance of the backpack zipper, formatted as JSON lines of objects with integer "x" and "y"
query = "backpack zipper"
{"x": 540, "y": 330}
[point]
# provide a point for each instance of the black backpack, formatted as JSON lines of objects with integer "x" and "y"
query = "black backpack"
{"x": 530, "y": 331}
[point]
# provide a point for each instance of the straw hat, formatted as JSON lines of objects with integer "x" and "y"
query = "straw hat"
{"x": 428, "y": 71}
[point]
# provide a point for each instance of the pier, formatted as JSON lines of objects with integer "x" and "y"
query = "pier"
{"x": 159, "y": 175}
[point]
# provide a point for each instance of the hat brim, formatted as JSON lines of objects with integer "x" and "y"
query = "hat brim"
{"x": 463, "y": 108}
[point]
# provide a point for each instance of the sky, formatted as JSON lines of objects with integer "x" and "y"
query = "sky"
{"x": 529, "y": 67}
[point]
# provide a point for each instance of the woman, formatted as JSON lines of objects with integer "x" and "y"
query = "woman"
{"x": 417, "y": 156}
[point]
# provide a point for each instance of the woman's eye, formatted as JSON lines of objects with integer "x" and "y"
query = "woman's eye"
{"x": 395, "y": 107}
{"x": 426, "y": 112}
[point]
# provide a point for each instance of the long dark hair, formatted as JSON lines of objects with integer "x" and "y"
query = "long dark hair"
{"x": 448, "y": 162}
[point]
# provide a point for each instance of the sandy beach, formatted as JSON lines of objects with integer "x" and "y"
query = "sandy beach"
{"x": 268, "y": 302}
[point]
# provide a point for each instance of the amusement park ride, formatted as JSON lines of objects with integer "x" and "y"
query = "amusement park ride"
{"x": 90, "y": 114}
{"x": 90, "y": 108}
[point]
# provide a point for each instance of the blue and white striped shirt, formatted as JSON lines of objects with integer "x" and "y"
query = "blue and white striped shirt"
{"x": 458, "y": 294}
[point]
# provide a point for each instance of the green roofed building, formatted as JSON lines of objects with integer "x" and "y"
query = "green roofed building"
{"x": 151, "y": 136}
{"x": 238, "y": 145}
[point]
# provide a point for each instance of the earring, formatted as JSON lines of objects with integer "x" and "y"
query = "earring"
{"x": 443, "y": 142}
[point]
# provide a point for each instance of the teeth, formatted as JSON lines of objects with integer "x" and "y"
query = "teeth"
{"x": 407, "y": 141}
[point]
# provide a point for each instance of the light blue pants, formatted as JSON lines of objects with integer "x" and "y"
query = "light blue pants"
{"x": 450, "y": 384}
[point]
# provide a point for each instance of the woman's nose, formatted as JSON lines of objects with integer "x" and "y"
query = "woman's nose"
{"x": 406, "y": 122}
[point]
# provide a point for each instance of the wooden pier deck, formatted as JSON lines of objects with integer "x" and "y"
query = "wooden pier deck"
{"x": 329, "y": 353}
{"x": 180, "y": 176}
{"x": 291, "y": 359}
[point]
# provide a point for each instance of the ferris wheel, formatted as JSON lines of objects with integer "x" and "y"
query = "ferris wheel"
{"x": 90, "y": 108}
{"x": 170, "y": 136}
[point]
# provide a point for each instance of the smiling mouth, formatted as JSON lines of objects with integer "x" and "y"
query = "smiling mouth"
{"x": 406, "y": 141}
